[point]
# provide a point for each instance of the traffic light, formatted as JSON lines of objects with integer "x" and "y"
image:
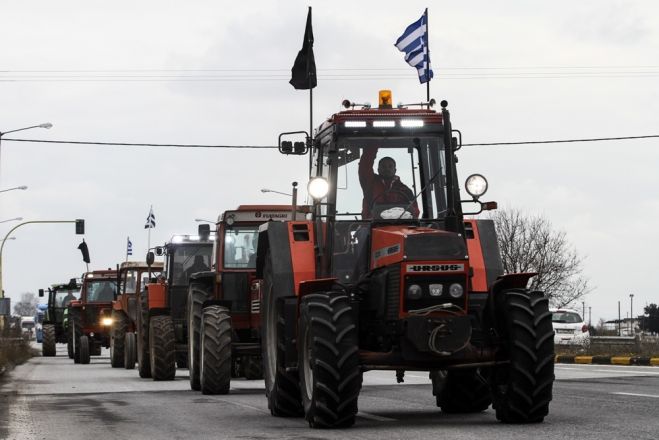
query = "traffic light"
{"x": 80, "y": 226}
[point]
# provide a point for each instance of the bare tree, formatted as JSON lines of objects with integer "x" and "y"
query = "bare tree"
{"x": 530, "y": 244}
{"x": 27, "y": 305}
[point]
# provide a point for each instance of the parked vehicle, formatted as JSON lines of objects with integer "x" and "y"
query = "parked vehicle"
{"x": 569, "y": 328}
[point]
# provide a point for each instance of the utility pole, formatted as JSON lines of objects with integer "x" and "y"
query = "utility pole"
{"x": 619, "y": 332}
{"x": 589, "y": 317}
{"x": 583, "y": 309}
{"x": 631, "y": 314}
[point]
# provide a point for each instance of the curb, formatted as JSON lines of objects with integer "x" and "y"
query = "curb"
{"x": 608, "y": 360}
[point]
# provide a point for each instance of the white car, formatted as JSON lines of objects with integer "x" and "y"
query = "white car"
{"x": 569, "y": 328}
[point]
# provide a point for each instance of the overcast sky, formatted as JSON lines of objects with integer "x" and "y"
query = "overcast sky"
{"x": 213, "y": 72}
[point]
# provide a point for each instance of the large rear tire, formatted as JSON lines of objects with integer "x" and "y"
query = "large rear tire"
{"x": 48, "y": 340}
{"x": 83, "y": 349}
{"x": 162, "y": 348}
{"x": 143, "y": 360}
{"x": 196, "y": 297}
{"x": 117, "y": 337}
{"x": 130, "y": 351}
{"x": 282, "y": 387}
{"x": 522, "y": 389}
{"x": 328, "y": 354}
{"x": 215, "y": 359}
{"x": 461, "y": 391}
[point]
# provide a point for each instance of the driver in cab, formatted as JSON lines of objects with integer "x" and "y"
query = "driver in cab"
{"x": 384, "y": 187}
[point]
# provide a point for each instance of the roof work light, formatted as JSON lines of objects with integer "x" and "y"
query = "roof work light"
{"x": 384, "y": 99}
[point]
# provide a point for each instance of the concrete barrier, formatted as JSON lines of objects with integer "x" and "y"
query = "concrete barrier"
{"x": 608, "y": 360}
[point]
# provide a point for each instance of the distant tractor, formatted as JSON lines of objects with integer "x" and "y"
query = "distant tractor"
{"x": 162, "y": 338}
{"x": 53, "y": 329}
{"x": 90, "y": 317}
{"x": 133, "y": 277}
{"x": 223, "y": 310}
{"x": 390, "y": 273}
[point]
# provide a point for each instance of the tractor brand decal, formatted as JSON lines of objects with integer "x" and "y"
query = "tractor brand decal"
{"x": 272, "y": 215}
{"x": 435, "y": 268}
{"x": 261, "y": 216}
{"x": 385, "y": 252}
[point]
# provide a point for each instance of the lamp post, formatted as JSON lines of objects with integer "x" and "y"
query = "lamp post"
{"x": 203, "y": 220}
{"x": 12, "y": 220}
{"x": 22, "y": 187}
{"x": 631, "y": 314}
{"x": 266, "y": 190}
{"x": 46, "y": 125}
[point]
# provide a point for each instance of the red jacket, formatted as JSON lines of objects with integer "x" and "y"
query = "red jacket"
{"x": 378, "y": 189}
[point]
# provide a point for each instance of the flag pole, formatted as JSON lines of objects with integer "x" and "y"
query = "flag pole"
{"x": 310, "y": 104}
{"x": 127, "y": 241}
{"x": 428, "y": 49}
{"x": 148, "y": 242}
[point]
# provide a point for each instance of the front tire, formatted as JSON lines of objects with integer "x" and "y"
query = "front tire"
{"x": 48, "y": 340}
{"x": 117, "y": 337}
{"x": 282, "y": 387}
{"x": 328, "y": 353}
{"x": 130, "y": 351}
{"x": 143, "y": 356}
{"x": 253, "y": 367}
{"x": 83, "y": 349}
{"x": 215, "y": 360}
{"x": 162, "y": 348}
{"x": 461, "y": 391}
{"x": 196, "y": 297}
{"x": 522, "y": 390}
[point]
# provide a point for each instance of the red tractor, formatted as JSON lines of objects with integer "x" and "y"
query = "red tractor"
{"x": 389, "y": 274}
{"x": 162, "y": 333}
{"x": 133, "y": 277}
{"x": 90, "y": 317}
{"x": 223, "y": 310}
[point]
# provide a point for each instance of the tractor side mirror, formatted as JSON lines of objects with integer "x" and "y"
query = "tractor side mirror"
{"x": 160, "y": 251}
{"x": 150, "y": 258}
{"x": 40, "y": 293}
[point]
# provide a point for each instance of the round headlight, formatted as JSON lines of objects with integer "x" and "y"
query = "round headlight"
{"x": 476, "y": 185}
{"x": 414, "y": 291}
{"x": 318, "y": 188}
{"x": 455, "y": 290}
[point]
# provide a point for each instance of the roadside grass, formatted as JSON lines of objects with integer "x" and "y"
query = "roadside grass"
{"x": 14, "y": 352}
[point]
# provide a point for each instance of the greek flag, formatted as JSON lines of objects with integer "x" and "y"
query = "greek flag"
{"x": 129, "y": 246}
{"x": 414, "y": 42}
{"x": 150, "y": 220}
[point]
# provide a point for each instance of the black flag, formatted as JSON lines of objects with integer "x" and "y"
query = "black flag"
{"x": 85, "y": 251}
{"x": 304, "y": 69}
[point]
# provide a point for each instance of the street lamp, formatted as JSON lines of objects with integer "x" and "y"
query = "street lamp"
{"x": 203, "y": 220}
{"x": 266, "y": 190}
{"x": 631, "y": 313}
{"x": 22, "y": 187}
{"x": 46, "y": 125}
{"x": 12, "y": 219}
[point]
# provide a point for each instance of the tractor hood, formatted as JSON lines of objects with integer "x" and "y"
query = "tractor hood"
{"x": 393, "y": 244}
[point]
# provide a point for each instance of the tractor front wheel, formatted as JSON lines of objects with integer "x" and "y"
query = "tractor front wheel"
{"x": 143, "y": 359}
{"x": 83, "y": 348}
{"x": 253, "y": 366}
{"x": 48, "y": 340}
{"x": 196, "y": 297}
{"x": 130, "y": 351}
{"x": 330, "y": 372}
{"x": 117, "y": 336}
{"x": 522, "y": 389}
{"x": 215, "y": 350}
{"x": 162, "y": 348}
{"x": 460, "y": 391}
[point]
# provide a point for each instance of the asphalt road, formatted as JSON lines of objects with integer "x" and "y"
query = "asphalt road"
{"x": 51, "y": 398}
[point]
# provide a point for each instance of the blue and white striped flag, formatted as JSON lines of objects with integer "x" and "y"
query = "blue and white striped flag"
{"x": 129, "y": 246}
{"x": 150, "y": 220}
{"x": 414, "y": 42}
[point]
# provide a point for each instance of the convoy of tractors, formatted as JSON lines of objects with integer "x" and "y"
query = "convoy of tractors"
{"x": 387, "y": 270}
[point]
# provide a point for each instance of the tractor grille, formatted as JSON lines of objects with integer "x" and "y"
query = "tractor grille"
{"x": 435, "y": 247}
{"x": 393, "y": 293}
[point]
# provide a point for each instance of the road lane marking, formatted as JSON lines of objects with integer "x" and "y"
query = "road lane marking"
{"x": 374, "y": 417}
{"x": 638, "y": 395}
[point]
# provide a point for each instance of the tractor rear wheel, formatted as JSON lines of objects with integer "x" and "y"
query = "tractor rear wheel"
{"x": 130, "y": 351}
{"x": 460, "y": 391}
{"x": 328, "y": 353}
{"x": 215, "y": 350}
{"x": 522, "y": 389}
{"x": 253, "y": 367}
{"x": 196, "y": 297}
{"x": 162, "y": 348}
{"x": 83, "y": 349}
{"x": 282, "y": 387}
{"x": 117, "y": 336}
{"x": 143, "y": 359}
{"x": 48, "y": 340}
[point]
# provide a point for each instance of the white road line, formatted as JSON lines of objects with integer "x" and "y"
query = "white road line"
{"x": 374, "y": 417}
{"x": 638, "y": 395}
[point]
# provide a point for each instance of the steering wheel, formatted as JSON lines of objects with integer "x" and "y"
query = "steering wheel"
{"x": 404, "y": 205}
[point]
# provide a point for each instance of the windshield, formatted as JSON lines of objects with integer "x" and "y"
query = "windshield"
{"x": 380, "y": 178}
{"x": 566, "y": 317}
{"x": 64, "y": 297}
{"x": 101, "y": 290}
{"x": 240, "y": 247}
{"x": 189, "y": 259}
